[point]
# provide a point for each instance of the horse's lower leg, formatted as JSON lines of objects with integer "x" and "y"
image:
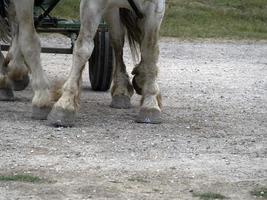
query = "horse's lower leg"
{"x": 146, "y": 72}
{"x": 30, "y": 48}
{"x": 122, "y": 89}
{"x": 17, "y": 70}
{"x": 65, "y": 109}
{"x": 6, "y": 93}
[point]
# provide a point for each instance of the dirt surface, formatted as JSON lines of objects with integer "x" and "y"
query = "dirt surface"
{"x": 213, "y": 139}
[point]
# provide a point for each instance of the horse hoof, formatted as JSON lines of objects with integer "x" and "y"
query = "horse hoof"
{"x": 59, "y": 117}
{"x": 136, "y": 87}
{"x": 149, "y": 116}
{"x": 121, "y": 102}
{"x": 6, "y": 94}
{"x": 40, "y": 113}
{"x": 19, "y": 85}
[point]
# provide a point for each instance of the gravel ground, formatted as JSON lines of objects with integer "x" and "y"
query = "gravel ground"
{"x": 213, "y": 138}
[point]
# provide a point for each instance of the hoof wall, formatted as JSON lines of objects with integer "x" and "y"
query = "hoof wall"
{"x": 19, "y": 85}
{"x": 149, "y": 116}
{"x": 121, "y": 102}
{"x": 40, "y": 113}
{"x": 59, "y": 117}
{"x": 6, "y": 94}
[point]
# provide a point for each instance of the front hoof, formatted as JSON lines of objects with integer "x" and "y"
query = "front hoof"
{"x": 19, "y": 85}
{"x": 40, "y": 113}
{"x": 59, "y": 117}
{"x": 149, "y": 116}
{"x": 121, "y": 102}
{"x": 6, "y": 94}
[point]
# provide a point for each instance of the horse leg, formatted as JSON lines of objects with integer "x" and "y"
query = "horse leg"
{"x": 17, "y": 70}
{"x": 6, "y": 93}
{"x": 146, "y": 72}
{"x": 65, "y": 109}
{"x": 122, "y": 90}
{"x": 30, "y": 47}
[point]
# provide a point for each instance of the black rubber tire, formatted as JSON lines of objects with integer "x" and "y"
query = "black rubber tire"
{"x": 101, "y": 62}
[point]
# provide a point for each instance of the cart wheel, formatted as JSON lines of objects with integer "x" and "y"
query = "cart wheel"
{"x": 101, "y": 62}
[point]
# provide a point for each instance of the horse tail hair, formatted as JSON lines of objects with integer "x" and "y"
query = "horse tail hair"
{"x": 134, "y": 33}
{"x": 4, "y": 26}
{"x": 4, "y": 30}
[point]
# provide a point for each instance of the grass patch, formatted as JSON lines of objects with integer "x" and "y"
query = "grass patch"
{"x": 68, "y": 9}
{"x": 21, "y": 178}
{"x": 262, "y": 192}
{"x": 209, "y": 196}
{"x": 228, "y": 19}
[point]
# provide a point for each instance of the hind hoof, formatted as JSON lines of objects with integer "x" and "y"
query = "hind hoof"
{"x": 59, "y": 117}
{"x": 19, "y": 85}
{"x": 40, "y": 113}
{"x": 121, "y": 102}
{"x": 149, "y": 116}
{"x": 6, "y": 94}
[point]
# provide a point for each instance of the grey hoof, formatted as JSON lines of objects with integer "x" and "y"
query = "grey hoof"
{"x": 40, "y": 113}
{"x": 6, "y": 94}
{"x": 149, "y": 116}
{"x": 121, "y": 102}
{"x": 19, "y": 85}
{"x": 59, "y": 117}
{"x": 136, "y": 87}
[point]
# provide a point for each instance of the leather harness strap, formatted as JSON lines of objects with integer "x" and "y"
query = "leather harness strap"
{"x": 138, "y": 13}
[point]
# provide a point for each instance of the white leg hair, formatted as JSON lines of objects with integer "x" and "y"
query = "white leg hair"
{"x": 147, "y": 69}
{"x": 122, "y": 89}
{"x": 17, "y": 69}
{"x": 63, "y": 112}
{"x": 30, "y": 48}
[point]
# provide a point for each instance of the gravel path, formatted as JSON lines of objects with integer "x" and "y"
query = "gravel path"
{"x": 213, "y": 139}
